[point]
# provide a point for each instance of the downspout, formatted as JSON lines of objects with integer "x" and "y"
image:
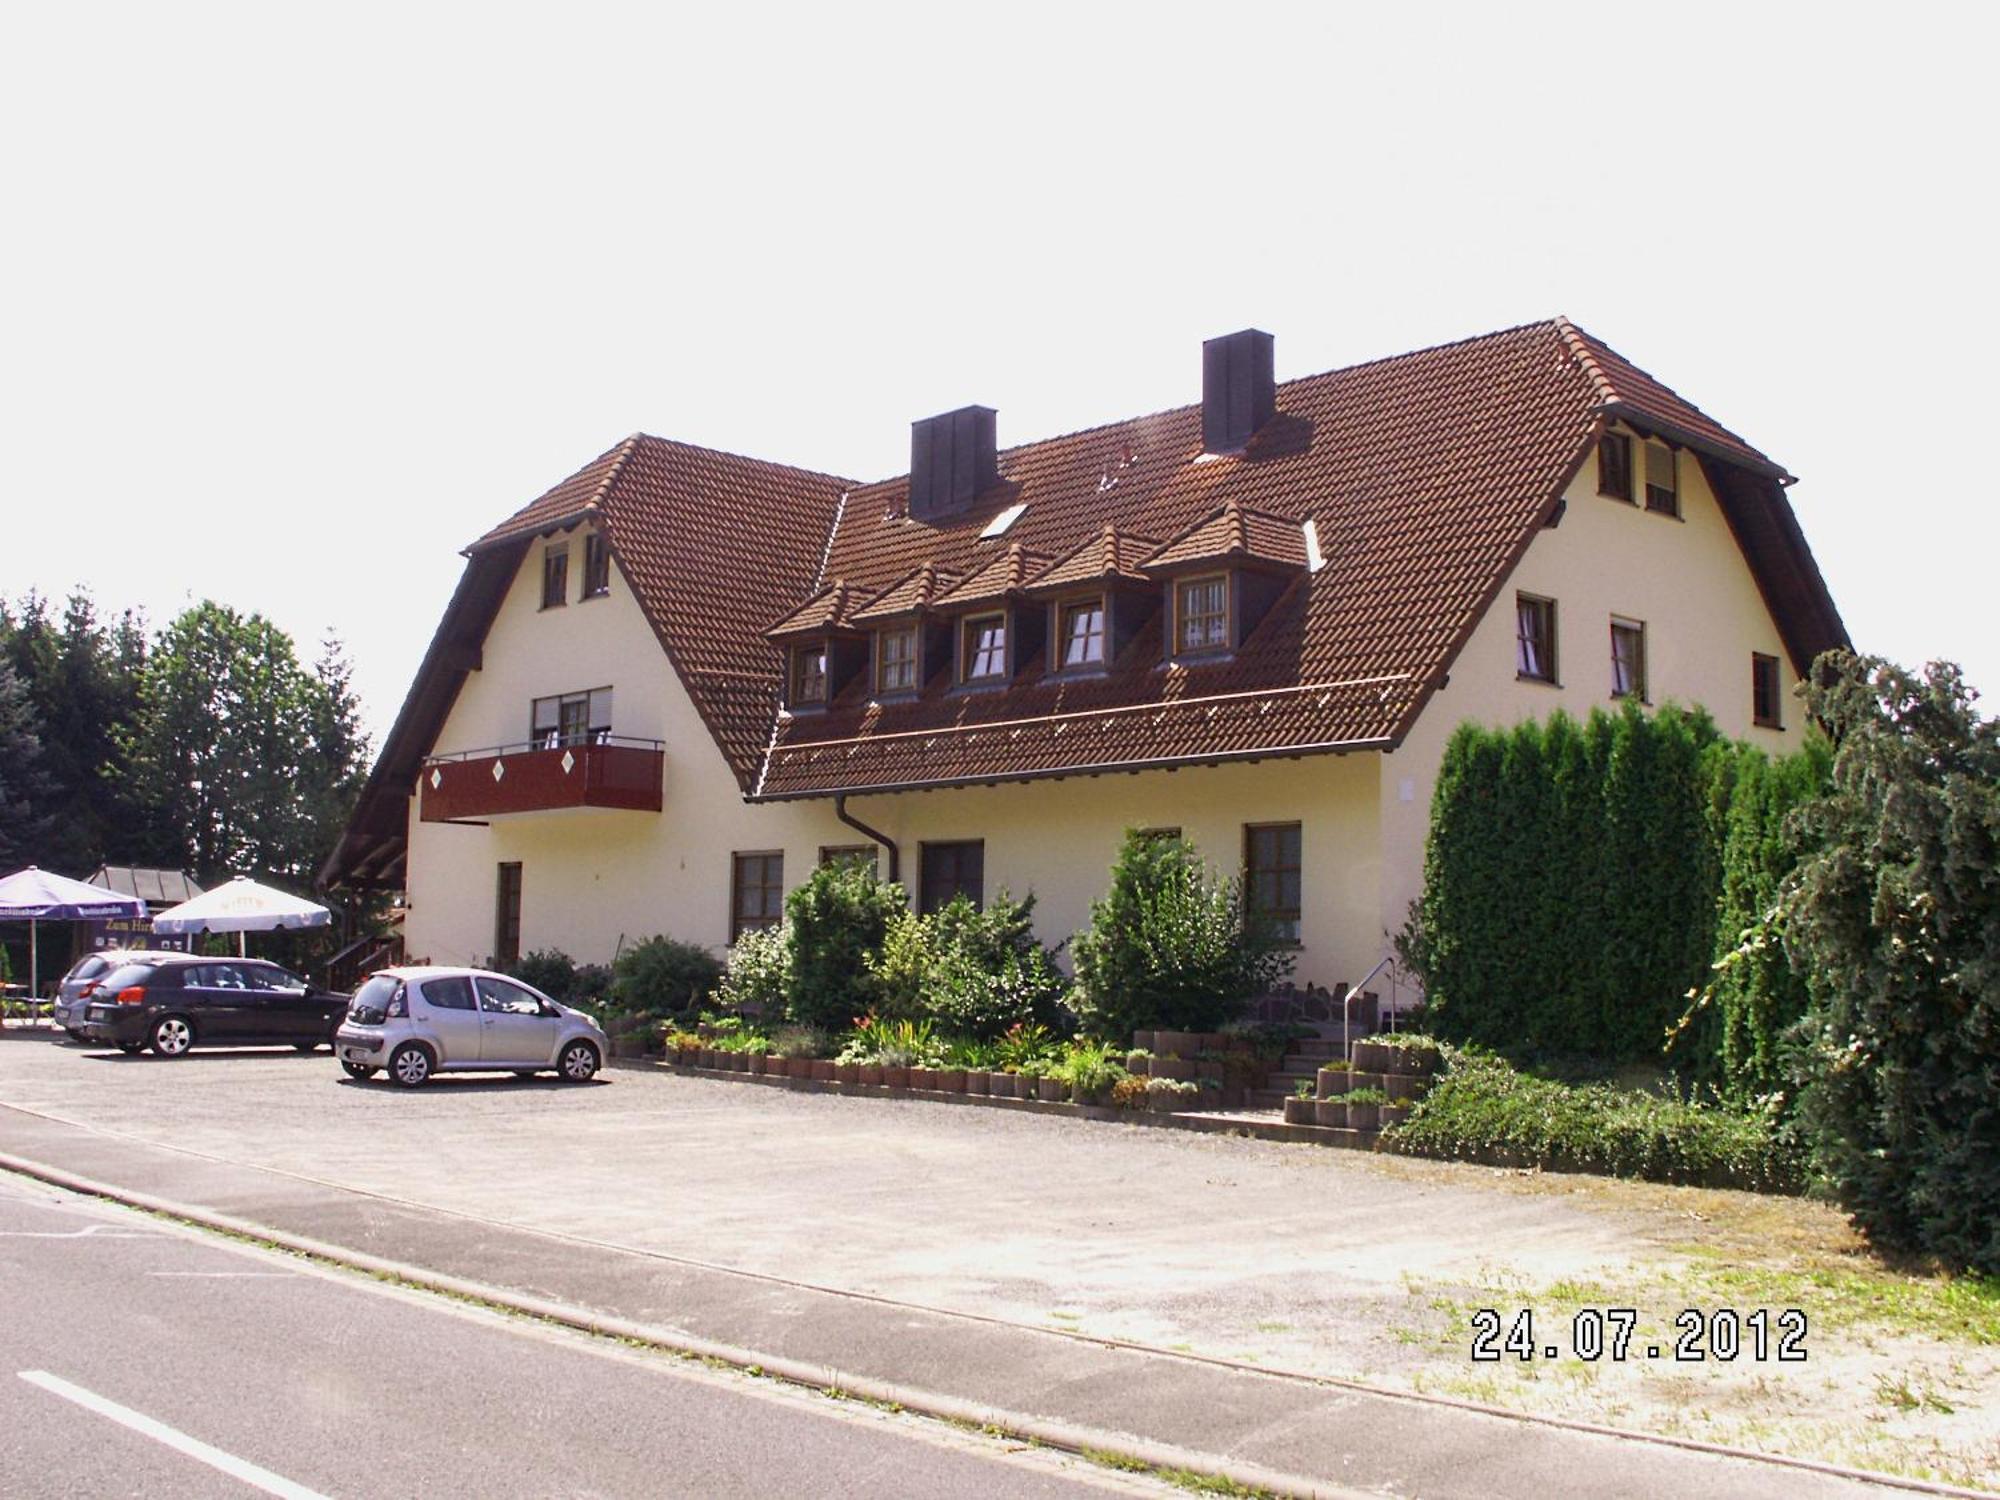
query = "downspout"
{"x": 895, "y": 854}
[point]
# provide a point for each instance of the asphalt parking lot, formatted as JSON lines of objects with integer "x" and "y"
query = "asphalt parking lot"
{"x": 1289, "y": 1255}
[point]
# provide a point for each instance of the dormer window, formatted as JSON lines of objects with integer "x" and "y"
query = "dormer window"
{"x": 1083, "y": 633}
{"x": 896, "y": 660}
{"x": 983, "y": 649}
{"x": 809, "y": 673}
{"x": 1662, "y": 480}
{"x": 596, "y": 565}
{"x": 1201, "y": 614}
{"x": 555, "y": 577}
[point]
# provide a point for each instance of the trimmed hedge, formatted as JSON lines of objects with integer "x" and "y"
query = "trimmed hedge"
{"x": 1482, "y": 1110}
{"x": 1582, "y": 879}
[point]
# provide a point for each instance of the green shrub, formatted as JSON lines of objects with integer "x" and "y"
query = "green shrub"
{"x": 758, "y": 978}
{"x": 592, "y": 983}
{"x": 1169, "y": 946}
{"x": 1482, "y": 1110}
{"x": 1089, "y": 1068}
{"x": 663, "y": 976}
{"x": 974, "y": 972}
{"x": 549, "y": 970}
{"x": 1895, "y": 920}
{"x": 835, "y": 921}
{"x": 800, "y": 1041}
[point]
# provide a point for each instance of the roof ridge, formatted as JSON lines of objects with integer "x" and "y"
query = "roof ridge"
{"x": 1578, "y": 343}
{"x": 1191, "y": 406}
{"x": 745, "y": 458}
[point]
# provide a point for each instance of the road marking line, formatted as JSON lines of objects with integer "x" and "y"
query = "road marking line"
{"x": 95, "y": 1231}
{"x": 160, "y": 1432}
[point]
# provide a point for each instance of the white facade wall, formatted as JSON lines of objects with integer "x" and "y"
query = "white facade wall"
{"x": 593, "y": 879}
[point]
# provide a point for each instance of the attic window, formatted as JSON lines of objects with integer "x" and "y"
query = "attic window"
{"x": 983, "y": 654}
{"x": 555, "y": 576}
{"x": 1083, "y": 634}
{"x": 896, "y": 660}
{"x": 809, "y": 674}
{"x": 596, "y": 566}
{"x": 1614, "y": 466}
{"x": 1662, "y": 480}
{"x": 1201, "y": 614}
{"x": 999, "y": 524}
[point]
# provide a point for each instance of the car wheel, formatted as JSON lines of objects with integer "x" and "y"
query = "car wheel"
{"x": 74, "y": 1035}
{"x": 131, "y": 1049}
{"x": 357, "y": 1070}
{"x": 410, "y": 1066}
{"x": 172, "y": 1036}
{"x": 579, "y": 1062}
{"x": 305, "y": 1046}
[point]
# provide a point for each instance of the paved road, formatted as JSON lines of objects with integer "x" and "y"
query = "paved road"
{"x": 125, "y": 1341}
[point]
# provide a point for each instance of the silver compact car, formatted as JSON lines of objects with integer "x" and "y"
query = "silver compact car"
{"x": 81, "y": 982}
{"x": 418, "y": 1021}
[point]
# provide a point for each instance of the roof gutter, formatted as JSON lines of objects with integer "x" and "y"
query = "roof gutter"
{"x": 895, "y": 853}
{"x": 1385, "y": 743}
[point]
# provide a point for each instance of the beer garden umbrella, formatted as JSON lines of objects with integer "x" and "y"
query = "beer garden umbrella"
{"x": 35, "y": 896}
{"x": 239, "y": 906}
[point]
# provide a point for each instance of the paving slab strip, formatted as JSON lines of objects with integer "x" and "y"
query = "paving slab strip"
{"x": 1286, "y": 1433}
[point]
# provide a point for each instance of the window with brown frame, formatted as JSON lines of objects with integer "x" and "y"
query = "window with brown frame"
{"x": 1271, "y": 870}
{"x": 1663, "y": 491}
{"x": 1201, "y": 614}
{"x": 507, "y": 915}
{"x": 555, "y": 577}
{"x": 809, "y": 673}
{"x": 757, "y": 892}
{"x": 570, "y": 718}
{"x": 1082, "y": 633}
{"x": 596, "y": 565}
{"x": 1614, "y": 466}
{"x": 863, "y": 855}
{"x": 953, "y": 869}
{"x": 1764, "y": 691}
{"x": 1628, "y": 659}
{"x": 1535, "y": 638}
{"x": 983, "y": 649}
{"x": 896, "y": 660}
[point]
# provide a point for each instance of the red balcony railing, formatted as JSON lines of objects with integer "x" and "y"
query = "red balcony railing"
{"x": 602, "y": 771}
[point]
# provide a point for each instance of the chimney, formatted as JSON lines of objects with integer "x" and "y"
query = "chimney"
{"x": 953, "y": 461}
{"x": 1239, "y": 393}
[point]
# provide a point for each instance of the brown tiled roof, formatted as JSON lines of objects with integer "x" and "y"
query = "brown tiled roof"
{"x": 1426, "y": 475}
{"x": 1626, "y": 390}
{"x": 1106, "y": 556}
{"x": 914, "y": 592}
{"x": 1233, "y": 533}
{"x": 1000, "y": 578}
{"x": 714, "y": 544}
{"x": 826, "y": 610}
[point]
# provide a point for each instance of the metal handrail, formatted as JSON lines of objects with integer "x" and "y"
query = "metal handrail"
{"x": 1346, "y": 1028}
{"x": 551, "y": 741}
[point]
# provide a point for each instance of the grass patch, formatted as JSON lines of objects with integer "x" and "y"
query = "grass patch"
{"x": 1484, "y": 1110}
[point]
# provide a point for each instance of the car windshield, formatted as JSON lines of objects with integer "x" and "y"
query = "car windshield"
{"x": 370, "y": 1005}
{"x": 125, "y": 976}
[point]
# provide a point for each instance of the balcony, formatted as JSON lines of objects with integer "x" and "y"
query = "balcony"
{"x": 602, "y": 771}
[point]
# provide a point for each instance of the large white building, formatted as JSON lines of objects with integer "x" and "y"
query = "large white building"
{"x": 671, "y": 685}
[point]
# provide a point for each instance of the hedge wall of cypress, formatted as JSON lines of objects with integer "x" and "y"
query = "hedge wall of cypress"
{"x": 1581, "y": 879}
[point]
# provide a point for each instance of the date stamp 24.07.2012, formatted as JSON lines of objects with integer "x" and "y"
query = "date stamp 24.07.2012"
{"x": 1608, "y": 1333}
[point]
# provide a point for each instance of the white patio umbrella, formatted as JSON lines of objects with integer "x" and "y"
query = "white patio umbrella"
{"x": 35, "y": 896}
{"x": 239, "y": 906}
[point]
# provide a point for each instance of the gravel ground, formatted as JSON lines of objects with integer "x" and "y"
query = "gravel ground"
{"x": 1298, "y": 1257}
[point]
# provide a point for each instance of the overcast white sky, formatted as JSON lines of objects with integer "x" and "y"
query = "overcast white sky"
{"x": 298, "y": 302}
